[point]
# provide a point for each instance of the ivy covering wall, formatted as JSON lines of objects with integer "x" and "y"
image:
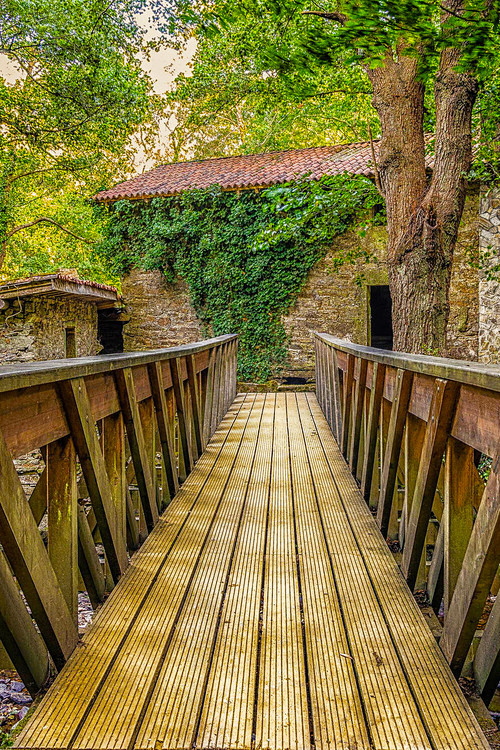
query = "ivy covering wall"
{"x": 245, "y": 256}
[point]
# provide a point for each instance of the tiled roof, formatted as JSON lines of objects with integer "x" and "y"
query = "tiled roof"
{"x": 60, "y": 285}
{"x": 246, "y": 172}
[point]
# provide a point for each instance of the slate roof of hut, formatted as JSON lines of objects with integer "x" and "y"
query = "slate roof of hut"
{"x": 248, "y": 172}
{"x": 60, "y": 284}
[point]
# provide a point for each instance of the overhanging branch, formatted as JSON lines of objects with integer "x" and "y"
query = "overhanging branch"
{"x": 327, "y": 15}
{"x": 47, "y": 220}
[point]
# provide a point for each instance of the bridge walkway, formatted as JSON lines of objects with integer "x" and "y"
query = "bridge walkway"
{"x": 264, "y": 610}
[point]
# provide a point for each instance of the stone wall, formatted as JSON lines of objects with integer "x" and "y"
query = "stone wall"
{"x": 489, "y": 288}
{"x": 160, "y": 314}
{"x": 33, "y": 328}
{"x": 337, "y": 302}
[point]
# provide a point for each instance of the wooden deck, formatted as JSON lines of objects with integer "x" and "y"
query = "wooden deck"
{"x": 264, "y": 610}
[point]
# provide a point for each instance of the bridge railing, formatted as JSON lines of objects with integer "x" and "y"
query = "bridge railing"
{"x": 112, "y": 438}
{"x": 422, "y": 437}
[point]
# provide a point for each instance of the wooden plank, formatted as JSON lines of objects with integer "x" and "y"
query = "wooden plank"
{"x": 461, "y": 499}
{"x": 435, "y": 579}
{"x": 135, "y": 436}
{"x": 209, "y": 397}
{"x": 62, "y": 521}
{"x": 38, "y": 373}
{"x": 228, "y": 709}
{"x": 376, "y": 392}
{"x": 113, "y": 447}
{"x": 436, "y": 435}
{"x": 359, "y": 402}
{"x": 392, "y": 717}
{"x": 178, "y": 390}
{"x": 337, "y": 405}
{"x": 18, "y": 634}
{"x": 88, "y": 561}
{"x": 281, "y": 697}
{"x": 476, "y": 575}
{"x": 337, "y": 711}
{"x": 347, "y": 404}
{"x": 142, "y": 656}
{"x": 173, "y": 713}
{"x": 62, "y": 711}
{"x": 133, "y": 540}
{"x": 414, "y": 441}
{"x": 164, "y": 428}
{"x": 30, "y": 563}
{"x": 449, "y": 722}
{"x": 392, "y": 449}
{"x": 148, "y": 424}
{"x": 39, "y": 497}
{"x": 487, "y": 659}
{"x": 78, "y": 414}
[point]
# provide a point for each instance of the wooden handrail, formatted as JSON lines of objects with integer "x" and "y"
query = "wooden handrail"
{"x": 472, "y": 373}
{"x": 50, "y": 371}
{"x": 118, "y": 435}
{"x": 412, "y": 429}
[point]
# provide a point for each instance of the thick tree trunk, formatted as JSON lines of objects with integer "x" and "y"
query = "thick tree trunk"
{"x": 422, "y": 217}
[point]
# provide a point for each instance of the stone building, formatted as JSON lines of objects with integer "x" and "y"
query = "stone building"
{"x": 330, "y": 301}
{"x": 57, "y": 315}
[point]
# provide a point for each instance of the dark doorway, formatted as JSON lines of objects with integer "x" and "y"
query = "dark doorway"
{"x": 110, "y": 331}
{"x": 380, "y": 317}
{"x": 70, "y": 341}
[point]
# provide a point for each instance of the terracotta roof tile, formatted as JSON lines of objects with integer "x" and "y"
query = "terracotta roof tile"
{"x": 246, "y": 172}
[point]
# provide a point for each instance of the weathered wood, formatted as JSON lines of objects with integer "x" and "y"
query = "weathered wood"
{"x": 178, "y": 389}
{"x": 30, "y": 563}
{"x": 195, "y": 404}
{"x": 209, "y": 396}
{"x": 38, "y": 373}
{"x": 20, "y": 638}
{"x": 217, "y": 390}
{"x": 399, "y": 409}
{"x": 347, "y": 404}
{"x": 476, "y": 575}
{"x": 133, "y": 539}
{"x": 487, "y": 659}
{"x": 113, "y": 439}
{"x": 435, "y": 579}
{"x": 88, "y": 561}
{"x": 359, "y": 402}
{"x": 472, "y": 373}
{"x": 376, "y": 392}
{"x": 39, "y": 497}
{"x": 164, "y": 428}
{"x": 76, "y": 404}
{"x": 62, "y": 523}
{"x": 414, "y": 441}
{"x": 264, "y": 610}
{"x": 460, "y": 499}
{"x": 133, "y": 425}
{"x": 148, "y": 422}
{"x": 436, "y": 435}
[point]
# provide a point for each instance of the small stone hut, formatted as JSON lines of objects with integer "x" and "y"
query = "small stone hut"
{"x": 58, "y": 315}
{"x": 333, "y": 302}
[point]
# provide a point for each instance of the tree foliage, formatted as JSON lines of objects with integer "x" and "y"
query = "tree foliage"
{"x": 71, "y": 94}
{"x": 429, "y": 66}
{"x": 230, "y": 101}
{"x": 244, "y": 257}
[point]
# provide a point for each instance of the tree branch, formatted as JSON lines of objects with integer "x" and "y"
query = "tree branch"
{"x": 47, "y": 220}
{"x": 329, "y": 16}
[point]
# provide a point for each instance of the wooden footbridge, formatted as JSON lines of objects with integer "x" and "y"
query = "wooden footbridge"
{"x": 253, "y": 600}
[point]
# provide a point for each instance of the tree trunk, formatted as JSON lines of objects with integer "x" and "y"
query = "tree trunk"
{"x": 422, "y": 217}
